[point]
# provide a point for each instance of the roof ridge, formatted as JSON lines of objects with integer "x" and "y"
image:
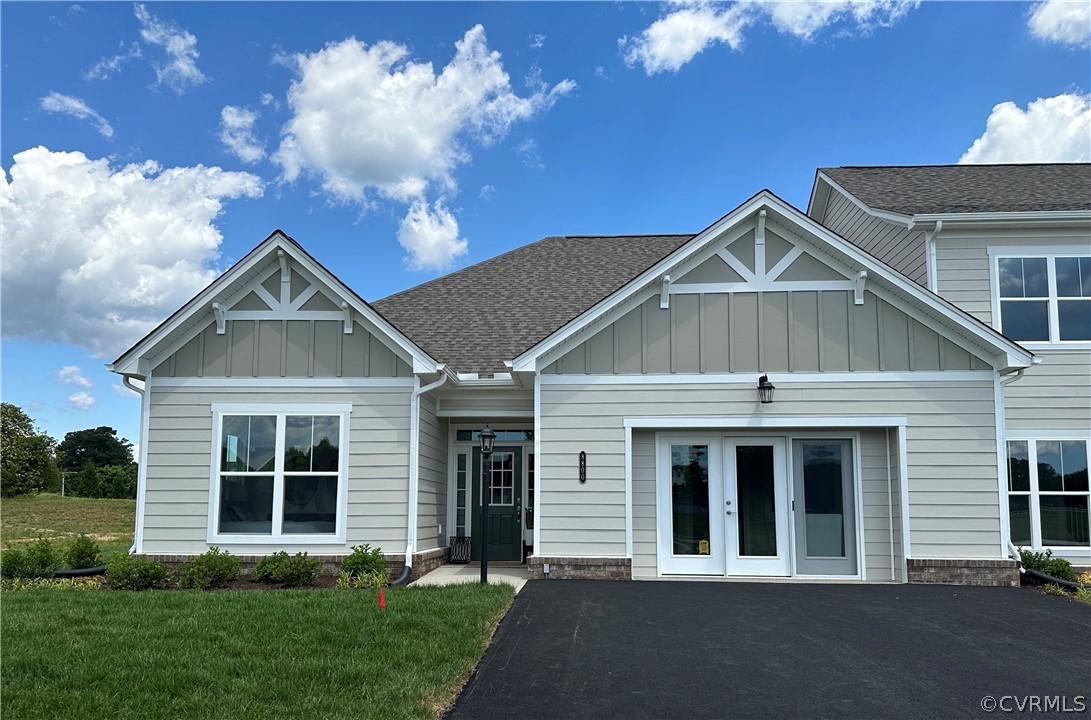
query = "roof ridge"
{"x": 950, "y": 165}
{"x": 625, "y": 235}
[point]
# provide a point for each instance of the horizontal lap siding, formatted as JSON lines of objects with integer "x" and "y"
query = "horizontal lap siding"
{"x": 1053, "y": 395}
{"x": 897, "y": 246}
{"x": 951, "y": 456}
{"x": 432, "y": 492}
{"x": 179, "y": 464}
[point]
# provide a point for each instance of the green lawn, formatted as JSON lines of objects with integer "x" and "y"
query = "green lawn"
{"x": 240, "y": 654}
{"x": 29, "y": 517}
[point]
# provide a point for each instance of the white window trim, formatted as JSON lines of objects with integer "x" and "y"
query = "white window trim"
{"x": 219, "y": 410}
{"x": 996, "y": 254}
{"x": 1032, "y": 440}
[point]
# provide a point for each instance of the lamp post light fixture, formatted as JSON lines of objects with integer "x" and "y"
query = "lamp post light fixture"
{"x": 488, "y": 437}
{"x": 765, "y": 390}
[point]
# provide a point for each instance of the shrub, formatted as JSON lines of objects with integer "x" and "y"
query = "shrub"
{"x": 283, "y": 569}
{"x": 135, "y": 572}
{"x": 364, "y": 560}
{"x": 82, "y": 552}
{"x": 110, "y": 481}
{"x": 1046, "y": 563}
{"x": 1083, "y": 595}
{"x": 39, "y": 559}
{"x": 1051, "y": 589}
{"x": 363, "y": 581}
{"x": 212, "y": 569}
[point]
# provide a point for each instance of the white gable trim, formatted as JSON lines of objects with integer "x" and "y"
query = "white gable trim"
{"x": 135, "y": 361}
{"x": 888, "y": 216}
{"x": 1011, "y": 355}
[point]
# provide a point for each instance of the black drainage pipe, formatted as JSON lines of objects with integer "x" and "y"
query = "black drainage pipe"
{"x": 403, "y": 579}
{"x": 1041, "y": 578}
{"x": 80, "y": 572}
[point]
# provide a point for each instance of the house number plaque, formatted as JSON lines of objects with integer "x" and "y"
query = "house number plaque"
{"x": 583, "y": 467}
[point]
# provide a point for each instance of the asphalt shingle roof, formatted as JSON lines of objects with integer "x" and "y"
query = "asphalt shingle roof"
{"x": 475, "y": 318}
{"x": 926, "y": 189}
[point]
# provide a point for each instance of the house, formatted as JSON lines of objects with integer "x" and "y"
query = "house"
{"x": 907, "y": 438}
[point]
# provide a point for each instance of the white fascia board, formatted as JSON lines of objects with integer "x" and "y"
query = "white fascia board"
{"x": 891, "y": 217}
{"x": 1059, "y": 217}
{"x": 528, "y": 360}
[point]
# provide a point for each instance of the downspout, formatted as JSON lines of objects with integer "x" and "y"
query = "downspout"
{"x": 141, "y": 470}
{"x": 414, "y": 468}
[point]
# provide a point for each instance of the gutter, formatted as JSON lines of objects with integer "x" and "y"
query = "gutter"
{"x": 414, "y": 467}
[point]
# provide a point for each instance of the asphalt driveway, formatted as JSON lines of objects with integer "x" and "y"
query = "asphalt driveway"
{"x": 601, "y": 649}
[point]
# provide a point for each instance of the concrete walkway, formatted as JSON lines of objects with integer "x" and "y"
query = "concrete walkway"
{"x": 600, "y": 650}
{"x": 516, "y": 576}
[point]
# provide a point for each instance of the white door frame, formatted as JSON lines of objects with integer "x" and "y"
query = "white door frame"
{"x": 670, "y": 563}
{"x": 779, "y": 565}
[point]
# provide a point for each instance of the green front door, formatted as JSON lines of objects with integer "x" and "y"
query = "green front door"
{"x": 505, "y": 485}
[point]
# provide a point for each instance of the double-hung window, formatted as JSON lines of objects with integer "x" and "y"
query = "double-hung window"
{"x": 1044, "y": 298}
{"x": 1048, "y": 494}
{"x": 279, "y": 474}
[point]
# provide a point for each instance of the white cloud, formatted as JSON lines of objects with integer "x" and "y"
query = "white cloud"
{"x": 270, "y": 99}
{"x": 54, "y": 102}
{"x": 106, "y": 67}
{"x": 430, "y": 236}
{"x": 237, "y": 133}
{"x": 528, "y": 151}
{"x": 680, "y": 35}
{"x": 369, "y": 118}
{"x": 369, "y": 122}
{"x": 97, "y": 256}
{"x": 123, "y": 391}
{"x": 536, "y": 40}
{"x": 1056, "y": 129}
{"x": 1062, "y": 21}
{"x": 486, "y": 192}
{"x": 73, "y": 375}
{"x": 81, "y": 401}
{"x": 180, "y": 69}
{"x": 600, "y": 73}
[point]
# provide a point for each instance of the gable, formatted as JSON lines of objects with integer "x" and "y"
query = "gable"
{"x": 778, "y": 251}
{"x": 275, "y": 313}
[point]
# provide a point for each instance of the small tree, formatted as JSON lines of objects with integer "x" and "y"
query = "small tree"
{"x": 99, "y": 446}
{"x": 27, "y": 460}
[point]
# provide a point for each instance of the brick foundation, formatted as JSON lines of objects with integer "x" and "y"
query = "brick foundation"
{"x": 573, "y": 568}
{"x": 1003, "y": 573}
{"x": 423, "y": 562}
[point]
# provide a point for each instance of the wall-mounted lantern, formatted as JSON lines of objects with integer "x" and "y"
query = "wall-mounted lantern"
{"x": 765, "y": 390}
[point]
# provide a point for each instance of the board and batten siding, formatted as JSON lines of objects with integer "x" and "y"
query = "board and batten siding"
{"x": 791, "y": 331}
{"x": 896, "y": 245}
{"x": 432, "y": 486}
{"x": 283, "y": 348}
{"x": 1055, "y": 394}
{"x": 179, "y": 465}
{"x": 951, "y": 455}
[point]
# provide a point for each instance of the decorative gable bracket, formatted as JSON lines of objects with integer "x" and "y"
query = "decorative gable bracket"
{"x": 858, "y": 287}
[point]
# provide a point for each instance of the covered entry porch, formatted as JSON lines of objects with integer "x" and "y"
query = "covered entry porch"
{"x": 807, "y": 498}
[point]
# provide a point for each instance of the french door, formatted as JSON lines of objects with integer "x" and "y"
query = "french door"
{"x": 724, "y": 506}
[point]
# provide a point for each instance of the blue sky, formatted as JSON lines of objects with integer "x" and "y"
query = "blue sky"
{"x": 146, "y": 147}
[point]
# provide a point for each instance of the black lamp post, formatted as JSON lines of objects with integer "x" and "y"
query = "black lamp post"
{"x": 765, "y": 390}
{"x": 487, "y": 439}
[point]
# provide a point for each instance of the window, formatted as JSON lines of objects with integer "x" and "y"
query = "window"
{"x": 1045, "y": 298}
{"x": 1048, "y": 493}
{"x": 279, "y": 475}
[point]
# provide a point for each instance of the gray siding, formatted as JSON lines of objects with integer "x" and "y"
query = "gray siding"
{"x": 283, "y": 348}
{"x": 179, "y": 465}
{"x": 798, "y": 331}
{"x": 1053, "y": 395}
{"x": 954, "y": 502}
{"x": 896, "y": 245}
{"x": 432, "y": 490}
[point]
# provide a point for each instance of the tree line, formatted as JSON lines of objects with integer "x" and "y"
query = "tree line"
{"x": 90, "y": 463}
